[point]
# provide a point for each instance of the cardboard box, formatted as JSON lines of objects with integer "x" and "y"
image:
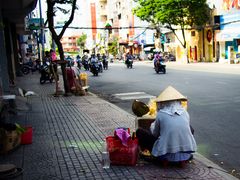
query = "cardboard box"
{"x": 9, "y": 140}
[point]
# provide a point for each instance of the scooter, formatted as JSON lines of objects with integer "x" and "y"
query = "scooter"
{"x": 46, "y": 74}
{"x": 160, "y": 67}
{"x": 129, "y": 63}
{"x": 30, "y": 66}
{"x": 94, "y": 68}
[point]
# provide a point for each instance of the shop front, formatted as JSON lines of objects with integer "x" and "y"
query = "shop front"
{"x": 229, "y": 37}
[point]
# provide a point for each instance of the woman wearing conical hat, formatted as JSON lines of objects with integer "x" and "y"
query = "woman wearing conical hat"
{"x": 170, "y": 137}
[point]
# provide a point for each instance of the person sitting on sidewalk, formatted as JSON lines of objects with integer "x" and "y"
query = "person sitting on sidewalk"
{"x": 170, "y": 137}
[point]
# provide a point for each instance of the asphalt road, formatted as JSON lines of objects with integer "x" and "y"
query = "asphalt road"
{"x": 214, "y": 103}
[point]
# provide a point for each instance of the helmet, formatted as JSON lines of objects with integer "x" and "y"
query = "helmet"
{"x": 139, "y": 108}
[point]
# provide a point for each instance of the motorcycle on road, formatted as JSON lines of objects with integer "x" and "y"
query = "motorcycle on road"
{"x": 129, "y": 60}
{"x": 129, "y": 63}
{"x": 94, "y": 68}
{"x": 160, "y": 66}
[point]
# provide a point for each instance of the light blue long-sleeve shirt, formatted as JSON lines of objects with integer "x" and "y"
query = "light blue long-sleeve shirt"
{"x": 174, "y": 134}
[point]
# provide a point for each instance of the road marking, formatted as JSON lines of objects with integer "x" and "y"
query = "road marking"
{"x": 133, "y": 95}
{"x": 221, "y": 82}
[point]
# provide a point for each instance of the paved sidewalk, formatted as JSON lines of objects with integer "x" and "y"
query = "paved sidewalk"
{"x": 67, "y": 136}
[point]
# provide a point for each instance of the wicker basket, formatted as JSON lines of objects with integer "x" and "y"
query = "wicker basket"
{"x": 9, "y": 140}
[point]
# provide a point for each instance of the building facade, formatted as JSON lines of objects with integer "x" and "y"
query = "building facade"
{"x": 227, "y": 20}
{"x": 69, "y": 43}
{"x": 131, "y": 32}
{"x": 12, "y": 25}
{"x": 218, "y": 41}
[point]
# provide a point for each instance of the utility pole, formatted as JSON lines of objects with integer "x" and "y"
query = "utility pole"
{"x": 42, "y": 30}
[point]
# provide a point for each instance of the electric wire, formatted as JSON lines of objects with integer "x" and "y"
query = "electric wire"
{"x": 149, "y": 27}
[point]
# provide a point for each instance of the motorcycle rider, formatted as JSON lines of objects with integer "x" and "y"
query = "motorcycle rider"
{"x": 79, "y": 62}
{"x": 85, "y": 61}
{"x": 104, "y": 57}
{"x": 128, "y": 57}
{"x": 159, "y": 65}
{"x": 93, "y": 59}
{"x": 100, "y": 62}
{"x": 94, "y": 67}
{"x": 47, "y": 57}
{"x": 104, "y": 61}
{"x": 158, "y": 57}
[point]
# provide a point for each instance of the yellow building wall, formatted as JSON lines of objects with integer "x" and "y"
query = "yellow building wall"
{"x": 196, "y": 50}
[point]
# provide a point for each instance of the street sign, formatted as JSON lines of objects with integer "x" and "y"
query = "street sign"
{"x": 34, "y": 23}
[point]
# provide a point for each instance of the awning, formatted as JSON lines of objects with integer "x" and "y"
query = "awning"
{"x": 228, "y": 35}
{"x": 149, "y": 48}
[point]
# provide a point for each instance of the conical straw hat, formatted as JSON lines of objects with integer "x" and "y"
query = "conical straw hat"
{"x": 170, "y": 94}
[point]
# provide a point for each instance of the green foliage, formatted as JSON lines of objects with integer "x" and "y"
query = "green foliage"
{"x": 52, "y": 7}
{"x": 146, "y": 10}
{"x": 19, "y": 128}
{"x": 81, "y": 41}
{"x": 174, "y": 13}
{"x": 184, "y": 13}
{"x": 113, "y": 47}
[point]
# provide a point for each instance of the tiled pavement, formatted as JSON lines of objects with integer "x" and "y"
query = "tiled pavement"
{"x": 67, "y": 136}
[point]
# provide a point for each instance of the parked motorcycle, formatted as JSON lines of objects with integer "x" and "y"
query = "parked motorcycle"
{"x": 46, "y": 74}
{"x": 30, "y": 66}
{"x": 94, "y": 68}
{"x": 160, "y": 66}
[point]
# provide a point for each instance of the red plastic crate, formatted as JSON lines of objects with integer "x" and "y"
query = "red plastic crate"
{"x": 120, "y": 154}
{"x": 26, "y": 137}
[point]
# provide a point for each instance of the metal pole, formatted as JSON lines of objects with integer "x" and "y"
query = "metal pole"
{"x": 42, "y": 30}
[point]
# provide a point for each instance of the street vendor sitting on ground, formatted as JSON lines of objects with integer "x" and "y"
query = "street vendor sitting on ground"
{"x": 170, "y": 136}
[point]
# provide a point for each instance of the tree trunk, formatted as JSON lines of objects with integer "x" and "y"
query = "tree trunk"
{"x": 56, "y": 37}
{"x": 186, "y": 54}
{"x": 63, "y": 66}
{"x": 61, "y": 53}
